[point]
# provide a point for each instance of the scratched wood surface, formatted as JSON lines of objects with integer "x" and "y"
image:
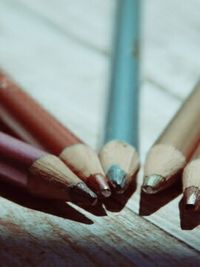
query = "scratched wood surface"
{"x": 59, "y": 52}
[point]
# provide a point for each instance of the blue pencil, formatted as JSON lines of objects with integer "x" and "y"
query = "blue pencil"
{"x": 119, "y": 157}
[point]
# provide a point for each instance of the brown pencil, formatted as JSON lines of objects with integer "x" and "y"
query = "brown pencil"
{"x": 191, "y": 182}
{"x": 36, "y": 126}
{"x": 174, "y": 147}
{"x": 47, "y": 168}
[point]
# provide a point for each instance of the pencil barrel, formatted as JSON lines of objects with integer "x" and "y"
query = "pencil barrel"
{"x": 19, "y": 151}
{"x": 183, "y": 132}
{"x": 30, "y": 121}
{"x": 20, "y": 177}
{"x": 122, "y": 118}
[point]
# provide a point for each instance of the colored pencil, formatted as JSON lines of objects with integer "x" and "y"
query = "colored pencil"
{"x": 36, "y": 126}
{"x": 118, "y": 156}
{"x": 191, "y": 182}
{"x": 174, "y": 147}
{"x": 48, "y": 168}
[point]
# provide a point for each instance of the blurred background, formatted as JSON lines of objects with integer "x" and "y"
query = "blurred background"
{"x": 59, "y": 51}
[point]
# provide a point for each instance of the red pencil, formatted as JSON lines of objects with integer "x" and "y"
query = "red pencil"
{"x": 45, "y": 168}
{"x": 36, "y": 126}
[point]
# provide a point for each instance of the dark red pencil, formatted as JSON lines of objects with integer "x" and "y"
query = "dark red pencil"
{"x": 36, "y": 126}
{"x": 46, "y": 168}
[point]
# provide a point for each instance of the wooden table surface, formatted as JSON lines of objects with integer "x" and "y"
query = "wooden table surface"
{"x": 59, "y": 51}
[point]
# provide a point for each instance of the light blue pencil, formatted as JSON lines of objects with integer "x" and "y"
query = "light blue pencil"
{"x": 119, "y": 157}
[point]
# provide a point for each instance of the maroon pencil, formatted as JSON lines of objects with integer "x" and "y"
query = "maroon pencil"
{"x": 17, "y": 175}
{"x": 43, "y": 168}
{"x": 36, "y": 126}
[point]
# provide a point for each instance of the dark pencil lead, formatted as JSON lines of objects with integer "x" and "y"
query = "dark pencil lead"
{"x": 100, "y": 185}
{"x": 117, "y": 178}
{"x": 192, "y": 197}
{"x": 152, "y": 183}
{"x": 104, "y": 187}
{"x": 82, "y": 194}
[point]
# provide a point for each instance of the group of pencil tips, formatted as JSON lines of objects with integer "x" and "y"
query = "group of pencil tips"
{"x": 47, "y": 160}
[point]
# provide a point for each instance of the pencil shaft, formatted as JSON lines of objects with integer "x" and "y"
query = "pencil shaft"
{"x": 30, "y": 121}
{"x": 17, "y": 175}
{"x": 122, "y": 117}
{"x": 36, "y": 126}
{"x": 13, "y": 174}
{"x": 196, "y": 153}
{"x": 183, "y": 132}
{"x": 174, "y": 147}
{"x": 19, "y": 151}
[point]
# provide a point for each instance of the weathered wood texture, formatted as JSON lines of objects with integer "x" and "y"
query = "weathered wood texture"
{"x": 59, "y": 52}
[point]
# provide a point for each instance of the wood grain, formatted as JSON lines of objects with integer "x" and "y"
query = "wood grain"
{"x": 69, "y": 18}
{"x": 89, "y": 245}
{"x": 178, "y": 24}
{"x": 79, "y": 73}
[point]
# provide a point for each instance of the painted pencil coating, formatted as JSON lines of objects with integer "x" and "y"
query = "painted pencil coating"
{"x": 47, "y": 167}
{"x": 36, "y": 126}
{"x": 174, "y": 147}
{"x": 20, "y": 177}
{"x": 12, "y": 173}
{"x": 29, "y": 119}
{"x": 19, "y": 151}
{"x": 122, "y": 118}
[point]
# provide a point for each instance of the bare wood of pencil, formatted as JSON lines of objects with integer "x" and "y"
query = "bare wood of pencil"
{"x": 174, "y": 147}
{"x": 36, "y": 126}
{"x": 48, "y": 175}
{"x": 191, "y": 182}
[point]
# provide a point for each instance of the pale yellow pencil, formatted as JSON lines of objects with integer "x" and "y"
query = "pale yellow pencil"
{"x": 174, "y": 147}
{"x": 191, "y": 182}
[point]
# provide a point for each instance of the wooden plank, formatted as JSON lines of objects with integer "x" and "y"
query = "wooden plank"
{"x": 171, "y": 40}
{"x": 88, "y": 22}
{"x": 173, "y": 43}
{"x": 164, "y": 213}
{"x": 46, "y": 61}
{"x": 37, "y": 239}
{"x": 44, "y": 70}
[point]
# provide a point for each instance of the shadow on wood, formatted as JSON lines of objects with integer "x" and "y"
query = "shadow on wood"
{"x": 151, "y": 203}
{"x": 117, "y": 202}
{"x": 20, "y": 247}
{"x": 54, "y": 207}
{"x": 189, "y": 219}
{"x": 36, "y": 203}
{"x": 96, "y": 210}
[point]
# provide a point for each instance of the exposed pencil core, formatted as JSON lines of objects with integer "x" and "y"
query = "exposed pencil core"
{"x": 43, "y": 130}
{"x": 117, "y": 178}
{"x": 153, "y": 184}
{"x": 191, "y": 183}
{"x": 161, "y": 168}
{"x": 88, "y": 168}
{"x": 80, "y": 193}
{"x": 120, "y": 162}
{"x": 192, "y": 197}
{"x": 97, "y": 183}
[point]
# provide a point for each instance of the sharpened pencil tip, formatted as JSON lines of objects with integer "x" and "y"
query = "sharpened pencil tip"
{"x": 117, "y": 178}
{"x": 81, "y": 194}
{"x": 192, "y": 197}
{"x": 99, "y": 184}
{"x": 152, "y": 184}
